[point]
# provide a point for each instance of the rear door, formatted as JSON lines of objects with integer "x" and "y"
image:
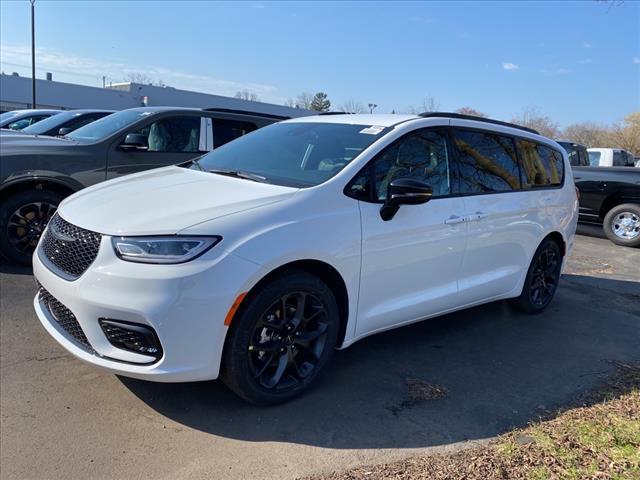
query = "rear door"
{"x": 172, "y": 139}
{"x": 500, "y": 237}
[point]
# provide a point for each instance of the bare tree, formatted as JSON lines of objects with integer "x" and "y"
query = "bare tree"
{"x": 290, "y": 102}
{"x": 352, "y": 106}
{"x": 304, "y": 100}
{"x": 588, "y": 134}
{"x": 532, "y": 118}
{"x": 246, "y": 95}
{"x": 143, "y": 79}
{"x": 626, "y": 134}
{"x": 429, "y": 104}
{"x": 471, "y": 111}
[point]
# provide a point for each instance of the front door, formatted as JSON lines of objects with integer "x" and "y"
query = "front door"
{"x": 411, "y": 263}
{"x": 171, "y": 140}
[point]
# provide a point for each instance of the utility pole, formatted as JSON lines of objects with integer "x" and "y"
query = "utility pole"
{"x": 371, "y": 107}
{"x": 33, "y": 55}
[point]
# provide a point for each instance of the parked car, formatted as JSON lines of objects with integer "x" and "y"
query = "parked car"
{"x": 36, "y": 173}
{"x": 255, "y": 261}
{"x": 611, "y": 197}
{"x": 610, "y": 157}
{"x": 578, "y": 155}
{"x": 19, "y": 119}
{"x": 61, "y": 123}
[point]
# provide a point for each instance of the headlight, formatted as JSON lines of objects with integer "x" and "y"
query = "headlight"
{"x": 170, "y": 249}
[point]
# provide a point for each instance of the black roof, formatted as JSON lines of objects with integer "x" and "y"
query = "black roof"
{"x": 477, "y": 119}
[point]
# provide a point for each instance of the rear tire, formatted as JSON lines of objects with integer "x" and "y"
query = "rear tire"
{"x": 280, "y": 339}
{"x": 542, "y": 278}
{"x": 622, "y": 225}
{"x": 23, "y": 218}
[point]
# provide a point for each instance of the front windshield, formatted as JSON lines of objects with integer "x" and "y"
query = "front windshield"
{"x": 8, "y": 115}
{"x": 48, "y": 123}
{"x": 108, "y": 125}
{"x": 293, "y": 154}
{"x": 594, "y": 159}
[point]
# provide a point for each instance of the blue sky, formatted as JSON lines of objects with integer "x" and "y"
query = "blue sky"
{"x": 574, "y": 61}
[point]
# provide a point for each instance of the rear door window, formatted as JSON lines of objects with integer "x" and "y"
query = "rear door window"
{"x": 226, "y": 130}
{"x": 487, "y": 162}
{"x": 541, "y": 166}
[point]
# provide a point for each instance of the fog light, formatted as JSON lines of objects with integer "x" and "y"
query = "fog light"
{"x": 132, "y": 337}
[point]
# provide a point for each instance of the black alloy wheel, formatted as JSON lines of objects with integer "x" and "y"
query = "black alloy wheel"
{"x": 23, "y": 219}
{"x": 542, "y": 278}
{"x": 288, "y": 340}
{"x": 281, "y": 337}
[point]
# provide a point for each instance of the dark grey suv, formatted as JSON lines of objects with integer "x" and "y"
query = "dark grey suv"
{"x": 36, "y": 173}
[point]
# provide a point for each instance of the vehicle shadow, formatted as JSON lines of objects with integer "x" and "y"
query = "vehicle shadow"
{"x": 500, "y": 369}
{"x": 14, "y": 269}
{"x": 590, "y": 230}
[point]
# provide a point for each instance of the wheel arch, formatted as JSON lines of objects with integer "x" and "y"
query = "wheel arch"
{"x": 613, "y": 200}
{"x": 559, "y": 239}
{"x": 325, "y": 272}
{"x": 37, "y": 183}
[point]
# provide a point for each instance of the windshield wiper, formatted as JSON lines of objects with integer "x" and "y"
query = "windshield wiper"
{"x": 239, "y": 174}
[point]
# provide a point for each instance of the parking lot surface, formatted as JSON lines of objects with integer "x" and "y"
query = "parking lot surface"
{"x": 62, "y": 419}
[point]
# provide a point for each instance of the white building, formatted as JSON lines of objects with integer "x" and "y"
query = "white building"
{"x": 15, "y": 93}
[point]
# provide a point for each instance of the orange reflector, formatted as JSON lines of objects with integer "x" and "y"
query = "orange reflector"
{"x": 234, "y": 307}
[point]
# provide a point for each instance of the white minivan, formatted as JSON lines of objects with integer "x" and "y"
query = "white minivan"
{"x": 257, "y": 260}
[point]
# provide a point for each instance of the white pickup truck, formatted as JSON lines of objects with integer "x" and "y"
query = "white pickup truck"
{"x": 610, "y": 157}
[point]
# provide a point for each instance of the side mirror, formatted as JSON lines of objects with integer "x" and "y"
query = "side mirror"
{"x": 404, "y": 191}
{"x": 135, "y": 141}
{"x": 64, "y": 130}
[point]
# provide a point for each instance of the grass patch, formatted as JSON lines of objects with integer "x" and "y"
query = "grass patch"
{"x": 599, "y": 438}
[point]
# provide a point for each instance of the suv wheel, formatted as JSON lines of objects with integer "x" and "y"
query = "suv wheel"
{"x": 542, "y": 278}
{"x": 280, "y": 339}
{"x": 622, "y": 225}
{"x": 23, "y": 218}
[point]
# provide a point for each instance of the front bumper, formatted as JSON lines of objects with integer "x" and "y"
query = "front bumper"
{"x": 184, "y": 304}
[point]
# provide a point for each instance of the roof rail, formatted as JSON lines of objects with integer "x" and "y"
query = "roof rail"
{"x": 478, "y": 119}
{"x": 245, "y": 112}
{"x": 335, "y": 113}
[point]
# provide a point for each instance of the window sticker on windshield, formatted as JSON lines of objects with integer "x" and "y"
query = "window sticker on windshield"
{"x": 372, "y": 130}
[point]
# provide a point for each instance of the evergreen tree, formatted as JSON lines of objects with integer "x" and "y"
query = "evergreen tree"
{"x": 320, "y": 102}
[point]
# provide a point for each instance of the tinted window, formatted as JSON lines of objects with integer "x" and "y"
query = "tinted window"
{"x": 226, "y": 130}
{"x": 488, "y": 162}
{"x": 173, "y": 134}
{"x": 541, "y": 166}
{"x": 295, "y": 154}
{"x": 25, "y": 122}
{"x": 108, "y": 125}
{"x": 423, "y": 156}
{"x": 594, "y": 159}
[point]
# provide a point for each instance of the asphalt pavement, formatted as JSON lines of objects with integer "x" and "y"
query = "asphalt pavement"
{"x": 63, "y": 419}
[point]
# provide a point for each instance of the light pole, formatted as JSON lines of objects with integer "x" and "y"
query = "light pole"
{"x": 371, "y": 107}
{"x": 33, "y": 55}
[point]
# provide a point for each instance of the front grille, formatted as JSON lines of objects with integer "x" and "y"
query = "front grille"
{"x": 68, "y": 248}
{"x": 65, "y": 318}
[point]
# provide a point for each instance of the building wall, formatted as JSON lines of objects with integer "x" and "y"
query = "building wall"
{"x": 15, "y": 93}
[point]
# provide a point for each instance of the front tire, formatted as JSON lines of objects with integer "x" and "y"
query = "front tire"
{"x": 280, "y": 339}
{"x": 23, "y": 218}
{"x": 622, "y": 225}
{"x": 542, "y": 278}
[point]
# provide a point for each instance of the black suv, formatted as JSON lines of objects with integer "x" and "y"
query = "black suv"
{"x": 61, "y": 123}
{"x": 36, "y": 173}
{"x": 578, "y": 155}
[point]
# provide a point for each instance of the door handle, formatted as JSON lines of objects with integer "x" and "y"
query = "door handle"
{"x": 453, "y": 219}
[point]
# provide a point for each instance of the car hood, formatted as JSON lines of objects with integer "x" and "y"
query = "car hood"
{"x": 165, "y": 201}
{"x": 20, "y": 141}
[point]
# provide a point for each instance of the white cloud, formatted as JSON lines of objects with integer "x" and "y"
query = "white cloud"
{"x": 510, "y": 66}
{"x": 585, "y": 61}
{"x": 636, "y": 60}
{"x": 586, "y": 45}
{"x": 72, "y": 68}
